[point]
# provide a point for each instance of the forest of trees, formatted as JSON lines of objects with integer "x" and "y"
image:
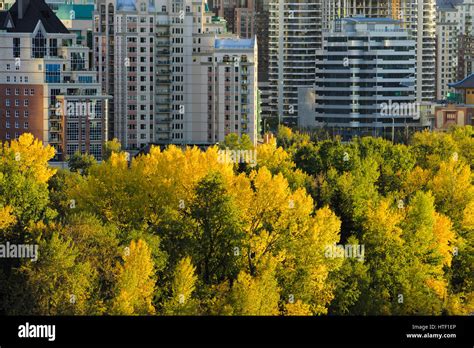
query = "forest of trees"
{"x": 180, "y": 232}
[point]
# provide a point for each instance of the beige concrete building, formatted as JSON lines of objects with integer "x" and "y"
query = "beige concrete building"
{"x": 175, "y": 74}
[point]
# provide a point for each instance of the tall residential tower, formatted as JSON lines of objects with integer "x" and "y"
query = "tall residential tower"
{"x": 295, "y": 35}
{"x": 175, "y": 74}
{"x": 416, "y": 16}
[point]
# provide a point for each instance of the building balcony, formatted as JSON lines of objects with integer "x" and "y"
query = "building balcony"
{"x": 163, "y": 80}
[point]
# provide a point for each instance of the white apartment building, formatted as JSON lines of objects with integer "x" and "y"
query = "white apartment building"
{"x": 46, "y": 85}
{"x": 365, "y": 82}
{"x": 454, "y": 34}
{"x": 295, "y": 35}
{"x": 175, "y": 74}
{"x": 447, "y": 31}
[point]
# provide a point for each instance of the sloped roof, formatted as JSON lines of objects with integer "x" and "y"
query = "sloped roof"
{"x": 467, "y": 82}
{"x": 36, "y": 10}
{"x": 3, "y": 18}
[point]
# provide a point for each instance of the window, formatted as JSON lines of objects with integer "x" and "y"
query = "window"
{"x": 451, "y": 116}
{"x": 7, "y": 102}
{"x": 95, "y": 131}
{"x": 53, "y": 47}
{"x": 32, "y": 91}
{"x": 26, "y": 113}
{"x": 72, "y": 131}
{"x": 71, "y": 149}
{"x": 26, "y": 91}
{"x": 16, "y": 47}
{"x": 17, "y": 91}
{"x": 7, "y": 113}
{"x": 53, "y": 73}
{"x": 17, "y": 124}
{"x": 26, "y": 102}
{"x": 85, "y": 79}
{"x": 38, "y": 45}
{"x": 96, "y": 151}
{"x": 8, "y": 67}
{"x": 7, "y": 124}
{"x": 7, "y": 136}
{"x": 17, "y": 102}
{"x": 78, "y": 62}
{"x": 7, "y": 91}
{"x": 17, "y": 113}
{"x": 26, "y": 125}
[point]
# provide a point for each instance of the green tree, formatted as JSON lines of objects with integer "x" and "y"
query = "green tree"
{"x": 217, "y": 233}
{"x": 110, "y": 147}
{"x": 233, "y": 142}
{"x": 81, "y": 163}
{"x": 56, "y": 284}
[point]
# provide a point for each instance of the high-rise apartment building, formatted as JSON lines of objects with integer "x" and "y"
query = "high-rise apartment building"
{"x": 262, "y": 16}
{"x": 175, "y": 74}
{"x": 247, "y": 19}
{"x": 47, "y": 87}
{"x": 364, "y": 80}
{"x": 294, "y": 37}
{"x": 465, "y": 56}
{"x": 455, "y": 44}
{"x": 418, "y": 17}
{"x": 447, "y": 33}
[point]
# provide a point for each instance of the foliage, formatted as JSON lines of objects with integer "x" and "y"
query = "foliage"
{"x": 181, "y": 232}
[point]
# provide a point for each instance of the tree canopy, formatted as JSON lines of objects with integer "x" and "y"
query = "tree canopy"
{"x": 316, "y": 227}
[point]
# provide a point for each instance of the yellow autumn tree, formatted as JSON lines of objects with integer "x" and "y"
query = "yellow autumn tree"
{"x": 135, "y": 281}
{"x": 453, "y": 189}
{"x": 24, "y": 173}
{"x": 183, "y": 285}
{"x": 256, "y": 295}
{"x": 298, "y": 308}
{"x": 305, "y": 268}
{"x": 6, "y": 217}
{"x": 31, "y": 157}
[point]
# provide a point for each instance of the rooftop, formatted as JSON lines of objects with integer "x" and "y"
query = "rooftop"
{"x": 234, "y": 43}
{"x": 131, "y": 5}
{"x": 84, "y": 12}
{"x": 34, "y": 11}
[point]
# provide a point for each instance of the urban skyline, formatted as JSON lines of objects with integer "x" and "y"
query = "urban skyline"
{"x": 236, "y": 158}
{"x": 192, "y": 72}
